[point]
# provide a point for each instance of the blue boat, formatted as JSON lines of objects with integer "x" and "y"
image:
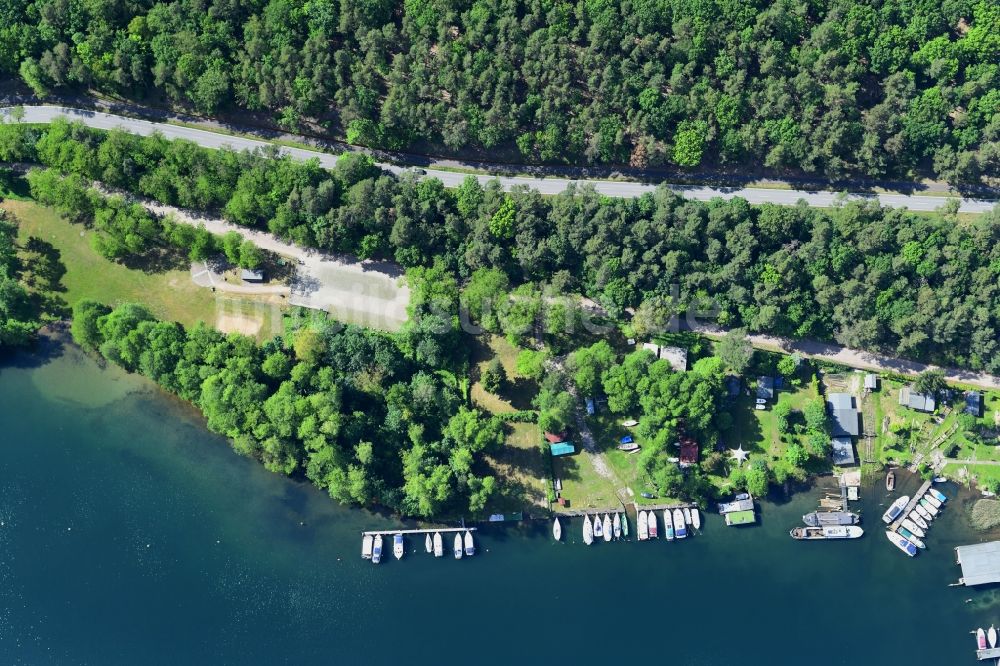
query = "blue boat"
{"x": 627, "y": 439}
{"x": 940, "y": 496}
{"x": 680, "y": 526}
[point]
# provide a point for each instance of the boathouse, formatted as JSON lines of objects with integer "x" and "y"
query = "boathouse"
{"x": 980, "y": 563}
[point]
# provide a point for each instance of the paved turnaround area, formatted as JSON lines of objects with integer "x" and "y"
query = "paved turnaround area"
{"x": 548, "y": 185}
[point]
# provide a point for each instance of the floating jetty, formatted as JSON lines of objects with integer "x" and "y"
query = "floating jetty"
{"x": 924, "y": 487}
{"x": 988, "y": 653}
{"x": 430, "y": 530}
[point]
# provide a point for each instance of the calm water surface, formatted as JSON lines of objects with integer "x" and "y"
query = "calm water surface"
{"x": 131, "y": 535}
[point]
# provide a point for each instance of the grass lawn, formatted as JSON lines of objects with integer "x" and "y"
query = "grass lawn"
{"x": 169, "y": 293}
{"x": 582, "y": 486}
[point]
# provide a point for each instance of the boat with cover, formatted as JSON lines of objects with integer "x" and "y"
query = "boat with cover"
{"x": 598, "y": 528}
{"x": 680, "y": 529}
{"x": 991, "y": 636}
{"x": 470, "y": 546}
{"x": 625, "y": 524}
{"x": 668, "y": 525}
{"x": 616, "y": 525}
{"x": 918, "y": 520}
{"x": 588, "y": 531}
{"x": 377, "y": 549}
{"x": 642, "y": 526}
{"x": 556, "y": 530}
{"x": 628, "y": 447}
{"x": 429, "y": 543}
{"x": 366, "y": 546}
{"x": 933, "y": 500}
{"x": 980, "y": 638}
{"x": 912, "y": 527}
{"x": 687, "y": 515}
{"x": 606, "y": 528}
{"x": 458, "y": 545}
{"x": 397, "y": 546}
{"x": 438, "y": 545}
{"x": 915, "y": 540}
{"x": 893, "y": 512}
{"x": 890, "y": 481}
{"x": 696, "y": 518}
{"x": 938, "y": 495}
{"x": 820, "y": 518}
{"x": 651, "y": 521}
{"x": 928, "y": 507}
{"x": 827, "y": 532}
{"x": 631, "y": 423}
{"x": 923, "y": 513}
{"x": 901, "y": 542}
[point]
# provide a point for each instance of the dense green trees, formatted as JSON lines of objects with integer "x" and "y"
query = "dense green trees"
{"x": 832, "y": 86}
{"x": 347, "y": 408}
{"x": 19, "y": 313}
{"x": 918, "y": 286}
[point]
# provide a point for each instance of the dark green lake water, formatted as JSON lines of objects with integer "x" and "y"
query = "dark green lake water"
{"x": 131, "y": 535}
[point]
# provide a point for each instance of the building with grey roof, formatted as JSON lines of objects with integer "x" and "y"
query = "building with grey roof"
{"x": 843, "y": 414}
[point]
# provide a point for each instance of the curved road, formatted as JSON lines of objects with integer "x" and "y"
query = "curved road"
{"x": 755, "y": 195}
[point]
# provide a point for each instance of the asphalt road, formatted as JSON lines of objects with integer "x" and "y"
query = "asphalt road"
{"x": 545, "y": 185}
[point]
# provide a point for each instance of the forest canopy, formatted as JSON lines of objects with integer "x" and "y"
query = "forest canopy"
{"x": 829, "y": 87}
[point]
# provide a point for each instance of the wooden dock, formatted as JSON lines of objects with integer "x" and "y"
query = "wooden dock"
{"x": 580, "y": 513}
{"x": 989, "y": 653}
{"x": 924, "y": 487}
{"x": 661, "y": 507}
{"x": 429, "y": 530}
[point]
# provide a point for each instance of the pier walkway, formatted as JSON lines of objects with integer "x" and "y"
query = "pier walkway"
{"x": 990, "y": 653}
{"x": 429, "y": 530}
{"x": 924, "y": 487}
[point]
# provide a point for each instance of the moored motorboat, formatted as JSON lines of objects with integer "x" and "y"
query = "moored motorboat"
{"x": 366, "y": 546}
{"x": 588, "y": 531}
{"x": 991, "y": 636}
{"x": 616, "y": 525}
{"x": 923, "y": 513}
{"x": 894, "y": 511}
{"x": 687, "y": 515}
{"x": 642, "y": 526}
{"x": 912, "y": 538}
{"x": 429, "y": 543}
{"x": 625, "y": 524}
{"x": 918, "y": 520}
{"x": 651, "y": 522}
{"x": 438, "y": 545}
{"x": 938, "y": 495}
{"x": 680, "y": 529}
{"x": 928, "y": 507}
{"x": 980, "y": 638}
{"x": 696, "y": 518}
{"x": 912, "y": 527}
{"x": 598, "y": 528}
{"x": 932, "y": 500}
{"x": 827, "y": 532}
{"x": 890, "y": 481}
{"x": 606, "y": 528}
{"x": 901, "y": 542}
{"x": 470, "y": 546}
{"x": 458, "y": 545}
{"x": 668, "y": 525}
{"x": 820, "y": 518}
{"x": 397, "y": 546}
{"x": 377, "y": 549}
{"x": 556, "y": 530}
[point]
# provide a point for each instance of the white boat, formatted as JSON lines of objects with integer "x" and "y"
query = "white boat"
{"x": 923, "y": 513}
{"x": 940, "y": 479}
{"x": 631, "y": 423}
{"x": 912, "y": 538}
{"x": 696, "y": 518}
{"x": 668, "y": 525}
{"x": 933, "y": 500}
{"x": 458, "y": 545}
{"x": 470, "y": 546}
{"x": 377, "y": 549}
{"x": 900, "y": 542}
{"x": 641, "y": 526}
{"x": 606, "y": 528}
{"x": 687, "y": 515}
{"x": 625, "y": 524}
{"x": 397, "y": 546}
{"x": 438, "y": 545}
{"x": 930, "y": 508}
{"x": 894, "y": 511}
{"x": 991, "y": 636}
{"x": 827, "y": 532}
{"x": 598, "y": 528}
{"x": 910, "y": 525}
{"x": 918, "y": 520}
{"x": 680, "y": 529}
{"x": 588, "y": 531}
{"x": 616, "y": 525}
{"x": 556, "y": 530}
{"x": 366, "y": 546}
{"x": 938, "y": 495}
{"x": 651, "y": 521}
{"x": 429, "y": 543}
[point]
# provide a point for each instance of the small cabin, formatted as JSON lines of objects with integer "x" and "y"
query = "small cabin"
{"x": 253, "y": 276}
